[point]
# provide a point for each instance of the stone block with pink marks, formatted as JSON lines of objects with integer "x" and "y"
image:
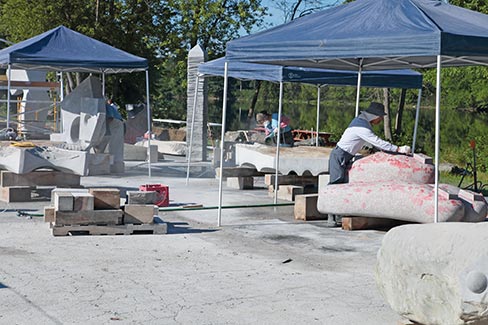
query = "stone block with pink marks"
{"x": 383, "y": 167}
{"x": 400, "y": 201}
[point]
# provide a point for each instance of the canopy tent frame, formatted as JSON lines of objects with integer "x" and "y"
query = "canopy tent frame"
{"x": 410, "y": 33}
{"x": 247, "y": 68}
{"x": 46, "y": 52}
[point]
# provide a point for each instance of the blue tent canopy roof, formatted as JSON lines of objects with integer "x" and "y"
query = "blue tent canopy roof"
{"x": 63, "y": 49}
{"x": 387, "y": 34}
{"x": 275, "y": 73}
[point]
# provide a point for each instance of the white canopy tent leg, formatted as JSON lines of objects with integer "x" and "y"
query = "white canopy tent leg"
{"x": 417, "y": 113}
{"x": 103, "y": 84}
{"x": 222, "y": 136}
{"x": 318, "y": 116}
{"x": 191, "y": 129}
{"x": 148, "y": 126}
{"x": 278, "y": 136}
{"x": 437, "y": 136}
{"x": 61, "y": 97}
{"x": 9, "y": 76}
{"x": 358, "y": 95}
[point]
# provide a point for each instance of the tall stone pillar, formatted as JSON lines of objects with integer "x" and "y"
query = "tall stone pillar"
{"x": 196, "y": 56}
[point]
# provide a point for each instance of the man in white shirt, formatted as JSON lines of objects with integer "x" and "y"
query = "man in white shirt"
{"x": 358, "y": 133}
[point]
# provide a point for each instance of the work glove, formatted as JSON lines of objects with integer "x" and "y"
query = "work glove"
{"x": 405, "y": 150}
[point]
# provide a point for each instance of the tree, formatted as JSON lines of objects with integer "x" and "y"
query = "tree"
{"x": 210, "y": 23}
{"x": 133, "y": 25}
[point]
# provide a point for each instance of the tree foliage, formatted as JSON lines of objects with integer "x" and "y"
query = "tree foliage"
{"x": 161, "y": 31}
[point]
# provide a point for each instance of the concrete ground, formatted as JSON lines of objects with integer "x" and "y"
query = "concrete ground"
{"x": 260, "y": 267}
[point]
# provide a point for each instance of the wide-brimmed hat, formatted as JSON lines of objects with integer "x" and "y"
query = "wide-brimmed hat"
{"x": 376, "y": 109}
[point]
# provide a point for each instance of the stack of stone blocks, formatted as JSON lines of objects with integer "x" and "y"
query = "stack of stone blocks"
{"x": 98, "y": 211}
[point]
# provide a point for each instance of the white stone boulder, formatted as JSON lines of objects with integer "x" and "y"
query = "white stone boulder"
{"x": 400, "y": 201}
{"x": 436, "y": 274}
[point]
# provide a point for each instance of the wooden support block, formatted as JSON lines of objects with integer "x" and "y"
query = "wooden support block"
{"x": 241, "y": 183}
{"x": 39, "y": 178}
{"x": 363, "y": 223}
{"x": 288, "y": 192}
{"x": 16, "y": 193}
{"x": 139, "y": 213}
{"x": 63, "y": 201}
{"x": 105, "y": 198}
{"x": 88, "y": 217}
{"x": 48, "y": 214}
{"x": 306, "y": 208}
{"x": 83, "y": 202}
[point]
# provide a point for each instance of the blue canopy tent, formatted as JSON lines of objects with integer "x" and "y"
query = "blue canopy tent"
{"x": 316, "y": 76}
{"x": 373, "y": 35}
{"x": 64, "y": 50}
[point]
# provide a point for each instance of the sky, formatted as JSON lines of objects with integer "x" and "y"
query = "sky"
{"x": 277, "y": 16}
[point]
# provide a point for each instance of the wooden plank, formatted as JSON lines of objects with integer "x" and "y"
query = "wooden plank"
{"x": 363, "y": 223}
{"x": 156, "y": 229}
{"x": 88, "y": 217}
{"x": 39, "y": 178}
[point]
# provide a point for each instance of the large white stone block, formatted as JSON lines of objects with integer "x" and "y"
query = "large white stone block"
{"x": 400, "y": 201}
{"x": 436, "y": 273}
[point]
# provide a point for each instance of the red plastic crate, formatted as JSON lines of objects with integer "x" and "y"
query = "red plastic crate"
{"x": 162, "y": 190}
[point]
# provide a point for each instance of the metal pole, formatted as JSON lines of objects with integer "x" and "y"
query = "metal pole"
{"x": 191, "y": 129}
{"x": 61, "y": 97}
{"x": 278, "y": 136}
{"x": 417, "y": 113}
{"x": 222, "y": 136}
{"x": 103, "y": 84}
{"x": 318, "y": 115}
{"x": 360, "y": 71}
{"x": 148, "y": 126}
{"x": 437, "y": 136}
{"x": 8, "y": 95}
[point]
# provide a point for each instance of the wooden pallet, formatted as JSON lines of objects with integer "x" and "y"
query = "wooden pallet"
{"x": 94, "y": 230}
